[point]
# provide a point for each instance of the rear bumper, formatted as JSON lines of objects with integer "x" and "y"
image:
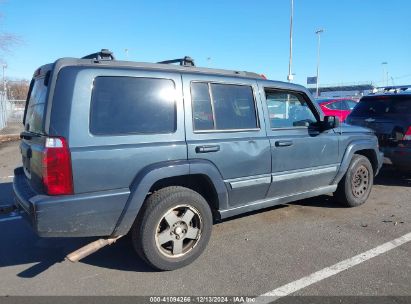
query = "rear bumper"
{"x": 398, "y": 156}
{"x": 88, "y": 214}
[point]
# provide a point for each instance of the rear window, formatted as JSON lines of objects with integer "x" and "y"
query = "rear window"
{"x": 35, "y": 107}
{"x": 381, "y": 105}
{"x": 126, "y": 105}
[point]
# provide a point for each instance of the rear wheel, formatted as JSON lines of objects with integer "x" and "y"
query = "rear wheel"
{"x": 173, "y": 229}
{"x": 355, "y": 187}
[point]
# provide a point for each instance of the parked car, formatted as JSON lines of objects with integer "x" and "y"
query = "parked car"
{"x": 339, "y": 107}
{"x": 161, "y": 151}
{"x": 389, "y": 115}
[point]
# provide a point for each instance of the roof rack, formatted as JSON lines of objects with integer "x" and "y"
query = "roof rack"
{"x": 396, "y": 89}
{"x": 391, "y": 89}
{"x": 186, "y": 61}
{"x": 104, "y": 54}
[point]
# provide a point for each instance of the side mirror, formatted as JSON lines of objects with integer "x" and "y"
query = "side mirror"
{"x": 331, "y": 122}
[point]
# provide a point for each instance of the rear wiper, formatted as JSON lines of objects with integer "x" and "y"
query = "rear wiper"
{"x": 28, "y": 135}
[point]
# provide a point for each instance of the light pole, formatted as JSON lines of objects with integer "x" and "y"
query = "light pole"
{"x": 290, "y": 61}
{"x": 383, "y": 64}
{"x": 318, "y": 33}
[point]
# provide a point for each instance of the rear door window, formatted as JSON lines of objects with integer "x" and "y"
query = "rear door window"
{"x": 223, "y": 106}
{"x": 202, "y": 111}
{"x": 130, "y": 105}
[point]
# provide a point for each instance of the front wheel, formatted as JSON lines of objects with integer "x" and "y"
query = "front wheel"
{"x": 173, "y": 229}
{"x": 355, "y": 187}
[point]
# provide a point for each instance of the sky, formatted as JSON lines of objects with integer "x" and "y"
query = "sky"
{"x": 359, "y": 35}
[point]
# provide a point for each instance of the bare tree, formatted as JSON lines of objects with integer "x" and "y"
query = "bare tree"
{"x": 17, "y": 89}
{"x": 8, "y": 40}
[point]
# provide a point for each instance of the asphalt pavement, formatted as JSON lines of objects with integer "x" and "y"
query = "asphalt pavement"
{"x": 247, "y": 255}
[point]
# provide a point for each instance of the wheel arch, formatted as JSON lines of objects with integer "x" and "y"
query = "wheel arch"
{"x": 200, "y": 176}
{"x": 367, "y": 148}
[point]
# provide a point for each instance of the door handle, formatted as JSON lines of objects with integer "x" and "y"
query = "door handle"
{"x": 207, "y": 149}
{"x": 283, "y": 143}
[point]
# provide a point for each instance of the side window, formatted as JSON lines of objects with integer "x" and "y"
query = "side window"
{"x": 202, "y": 111}
{"x": 337, "y": 105}
{"x": 351, "y": 104}
{"x": 230, "y": 107}
{"x": 127, "y": 105}
{"x": 288, "y": 110}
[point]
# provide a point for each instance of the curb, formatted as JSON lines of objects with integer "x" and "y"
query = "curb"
{"x": 9, "y": 137}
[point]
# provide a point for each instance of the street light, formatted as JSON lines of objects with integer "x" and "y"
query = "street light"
{"x": 290, "y": 75}
{"x": 318, "y": 33}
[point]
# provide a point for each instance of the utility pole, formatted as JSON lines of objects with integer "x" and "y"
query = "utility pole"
{"x": 290, "y": 75}
{"x": 318, "y": 32}
{"x": 4, "y": 81}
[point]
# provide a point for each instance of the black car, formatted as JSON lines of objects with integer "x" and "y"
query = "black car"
{"x": 389, "y": 115}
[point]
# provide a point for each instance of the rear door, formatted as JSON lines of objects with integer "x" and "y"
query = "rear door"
{"x": 33, "y": 136}
{"x": 225, "y": 127}
{"x": 388, "y": 115}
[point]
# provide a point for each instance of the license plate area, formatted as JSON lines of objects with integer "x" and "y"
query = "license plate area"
{"x": 26, "y": 156}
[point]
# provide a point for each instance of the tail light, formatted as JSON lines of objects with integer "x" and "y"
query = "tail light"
{"x": 407, "y": 135}
{"x": 57, "y": 174}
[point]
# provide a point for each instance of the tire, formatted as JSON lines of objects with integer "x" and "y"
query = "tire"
{"x": 355, "y": 187}
{"x": 173, "y": 229}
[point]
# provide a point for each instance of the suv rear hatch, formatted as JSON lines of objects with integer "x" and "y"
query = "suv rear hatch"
{"x": 33, "y": 136}
{"x": 388, "y": 115}
{"x": 46, "y": 160}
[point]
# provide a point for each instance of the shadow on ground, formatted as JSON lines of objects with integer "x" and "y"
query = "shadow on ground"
{"x": 22, "y": 246}
{"x": 390, "y": 176}
{"x": 6, "y": 194}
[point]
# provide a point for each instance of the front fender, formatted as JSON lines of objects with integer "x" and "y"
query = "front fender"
{"x": 147, "y": 177}
{"x": 352, "y": 148}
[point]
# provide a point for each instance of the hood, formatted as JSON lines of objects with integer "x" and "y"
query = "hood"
{"x": 345, "y": 128}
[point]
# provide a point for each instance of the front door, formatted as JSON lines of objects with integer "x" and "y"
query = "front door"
{"x": 225, "y": 127}
{"x": 303, "y": 157}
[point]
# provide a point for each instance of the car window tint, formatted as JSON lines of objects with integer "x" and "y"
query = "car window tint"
{"x": 288, "y": 110}
{"x": 383, "y": 105}
{"x": 351, "y": 104}
{"x": 35, "y": 107}
{"x": 229, "y": 107}
{"x": 202, "y": 111}
{"x": 337, "y": 105}
{"x": 123, "y": 105}
{"x": 234, "y": 107}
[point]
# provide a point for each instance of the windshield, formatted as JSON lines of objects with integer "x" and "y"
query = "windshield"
{"x": 33, "y": 118}
{"x": 381, "y": 105}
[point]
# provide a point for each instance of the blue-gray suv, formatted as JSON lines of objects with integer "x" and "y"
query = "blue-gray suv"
{"x": 161, "y": 151}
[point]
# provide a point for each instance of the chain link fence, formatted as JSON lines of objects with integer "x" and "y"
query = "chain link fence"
{"x": 11, "y": 115}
